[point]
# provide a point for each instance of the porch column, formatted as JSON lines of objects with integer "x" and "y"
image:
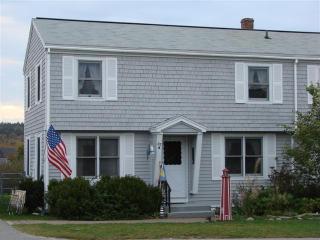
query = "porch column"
{"x": 159, "y": 146}
{"x": 197, "y": 161}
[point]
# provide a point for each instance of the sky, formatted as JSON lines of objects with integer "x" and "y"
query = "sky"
{"x": 15, "y": 18}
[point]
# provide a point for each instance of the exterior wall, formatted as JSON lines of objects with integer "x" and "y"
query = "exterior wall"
{"x": 35, "y": 116}
{"x": 152, "y": 89}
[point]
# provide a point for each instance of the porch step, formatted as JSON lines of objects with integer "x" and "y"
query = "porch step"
{"x": 190, "y": 214}
{"x": 184, "y": 211}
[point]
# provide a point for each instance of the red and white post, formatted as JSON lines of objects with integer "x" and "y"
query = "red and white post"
{"x": 225, "y": 204}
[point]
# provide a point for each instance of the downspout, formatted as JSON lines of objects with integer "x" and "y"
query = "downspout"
{"x": 295, "y": 72}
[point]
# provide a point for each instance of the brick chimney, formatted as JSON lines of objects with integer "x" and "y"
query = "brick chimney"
{"x": 247, "y": 23}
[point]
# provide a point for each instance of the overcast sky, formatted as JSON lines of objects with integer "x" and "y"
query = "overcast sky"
{"x": 15, "y": 17}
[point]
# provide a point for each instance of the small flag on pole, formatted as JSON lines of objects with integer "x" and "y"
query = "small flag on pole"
{"x": 163, "y": 176}
{"x": 57, "y": 154}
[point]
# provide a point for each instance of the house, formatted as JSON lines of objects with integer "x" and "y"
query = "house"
{"x": 129, "y": 96}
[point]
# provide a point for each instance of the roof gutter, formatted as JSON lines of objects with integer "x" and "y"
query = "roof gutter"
{"x": 184, "y": 53}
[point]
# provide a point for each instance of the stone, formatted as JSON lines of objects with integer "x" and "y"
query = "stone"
{"x": 250, "y": 219}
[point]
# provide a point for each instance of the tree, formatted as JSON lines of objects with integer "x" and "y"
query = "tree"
{"x": 306, "y": 151}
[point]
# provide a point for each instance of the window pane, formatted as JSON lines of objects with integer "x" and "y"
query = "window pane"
{"x": 109, "y": 166}
{"x": 86, "y": 147}
{"x": 172, "y": 153}
{"x": 90, "y": 78}
{"x": 86, "y": 167}
{"x": 253, "y": 146}
{"x": 108, "y": 147}
{"x": 90, "y": 87}
{"x": 253, "y": 165}
{"x": 233, "y": 147}
{"x": 258, "y": 82}
{"x": 233, "y": 164}
{"x": 90, "y": 70}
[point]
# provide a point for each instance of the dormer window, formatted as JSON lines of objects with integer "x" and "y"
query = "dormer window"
{"x": 90, "y": 78}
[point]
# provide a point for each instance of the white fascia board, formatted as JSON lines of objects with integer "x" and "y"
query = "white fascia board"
{"x": 184, "y": 53}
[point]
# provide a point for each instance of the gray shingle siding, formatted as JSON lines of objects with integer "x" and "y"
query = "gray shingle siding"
{"x": 152, "y": 89}
{"x": 35, "y": 116}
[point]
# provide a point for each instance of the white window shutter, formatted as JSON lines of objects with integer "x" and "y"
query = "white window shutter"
{"x": 127, "y": 154}
{"x": 111, "y": 81}
{"x": 68, "y": 78}
{"x": 313, "y": 78}
{"x": 217, "y": 153}
{"x": 240, "y": 83}
{"x": 269, "y": 153}
{"x": 277, "y": 95}
{"x": 70, "y": 143}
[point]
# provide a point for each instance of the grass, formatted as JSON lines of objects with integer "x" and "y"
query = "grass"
{"x": 233, "y": 229}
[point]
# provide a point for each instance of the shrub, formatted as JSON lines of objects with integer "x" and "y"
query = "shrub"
{"x": 4, "y": 201}
{"x": 71, "y": 199}
{"x": 127, "y": 198}
{"x": 110, "y": 198}
{"x": 34, "y": 193}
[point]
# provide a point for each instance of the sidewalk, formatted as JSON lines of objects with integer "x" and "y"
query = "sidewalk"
{"x": 9, "y": 233}
{"x": 57, "y": 222}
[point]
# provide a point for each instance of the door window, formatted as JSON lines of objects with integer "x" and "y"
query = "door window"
{"x": 172, "y": 153}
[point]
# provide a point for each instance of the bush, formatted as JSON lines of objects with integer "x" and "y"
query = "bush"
{"x": 110, "y": 198}
{"x": 127, "y": 198}
{"x": 34, "y": 193}
{"x": 4, "y": 202}
{"x": 71, "y": 199}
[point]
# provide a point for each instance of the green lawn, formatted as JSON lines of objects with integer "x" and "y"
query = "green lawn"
{"x": 234, "y": 229}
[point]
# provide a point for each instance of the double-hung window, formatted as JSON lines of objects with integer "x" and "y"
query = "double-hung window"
{"x": 258, "y": 83}
{"x": 97, "y": 156}
{"x": 89, "y": 78}
{"x": 244, "y": 155}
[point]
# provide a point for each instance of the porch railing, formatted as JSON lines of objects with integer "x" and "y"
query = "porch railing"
{"x": 166, "y": 195}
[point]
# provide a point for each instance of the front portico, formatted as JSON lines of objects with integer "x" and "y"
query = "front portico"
{"x": 178, "y": 143}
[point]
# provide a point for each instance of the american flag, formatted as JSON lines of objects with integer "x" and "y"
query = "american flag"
{"x": 57, "y": 154}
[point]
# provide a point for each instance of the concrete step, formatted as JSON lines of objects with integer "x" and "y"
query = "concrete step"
{"x": 188, "y": 208}
{"x": 190, "y": 214}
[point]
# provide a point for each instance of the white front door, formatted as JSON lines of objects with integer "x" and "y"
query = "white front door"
{"x": 175, "y": 161}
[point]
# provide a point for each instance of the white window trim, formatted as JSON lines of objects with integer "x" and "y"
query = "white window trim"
{"x": 104, "y": 78}
{"x": 38, "y": 135}
{"x": 97, "y": 138}
{"x": 28, "y": 92}
{"x": 27, "y": 168}
{"x": 270, "y": 75}
{"x": 243, "y": 175}
{"x": 36, "y": 83}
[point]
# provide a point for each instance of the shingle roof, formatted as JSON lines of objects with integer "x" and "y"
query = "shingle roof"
{"x": 132, "y": 36}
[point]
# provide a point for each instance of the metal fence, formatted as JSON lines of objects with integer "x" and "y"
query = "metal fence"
{"x": 9, "y": 181}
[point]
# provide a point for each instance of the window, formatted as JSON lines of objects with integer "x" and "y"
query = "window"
{"x": 89, "y": 78}
{"x": 90, "y": 164}
{"x": 28, "y": 92}
{"x": 258, "y": 83}
{"x": 243, "y": 153}
{"x": 86, "y": 157}
{"x": 109, "y": 157}
{"x": 172, "y": 153}
{"x": 38, "y": 83}
{"x": 38, "y": 147}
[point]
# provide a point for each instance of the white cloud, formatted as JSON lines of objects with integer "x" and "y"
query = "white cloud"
{"x": 11, "y": 113}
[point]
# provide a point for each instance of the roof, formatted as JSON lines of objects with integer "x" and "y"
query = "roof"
{"x": 174, "y": 38}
